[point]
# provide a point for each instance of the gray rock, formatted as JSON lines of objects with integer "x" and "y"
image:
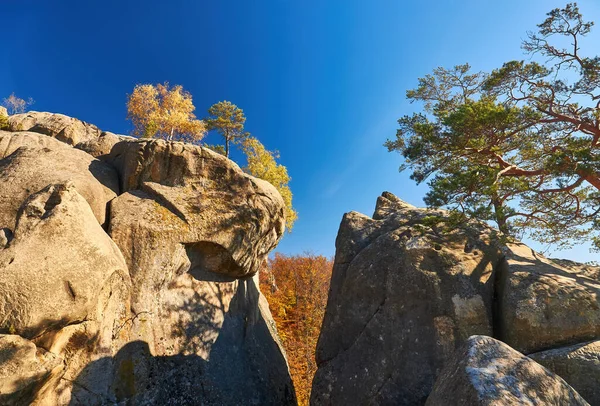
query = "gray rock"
{"x": 213, "y": 346}
{"x": 403, "y": 296}
{"x": 186, "y": 324}
{"x": 408, "y": 288}
{"x": 578, "y": 365}
{"x": 102, "y": 145}
{"x": 542, "y": 304}
{"x": 190, "y": 225}
{"x": 486, "y": 371}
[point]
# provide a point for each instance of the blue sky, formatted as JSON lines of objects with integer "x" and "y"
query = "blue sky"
{"x": 321, "y": 81}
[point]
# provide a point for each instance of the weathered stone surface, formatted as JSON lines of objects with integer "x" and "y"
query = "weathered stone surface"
{"x": 403, "y": 296}
{"x": 406, "y": 290}
{"x": 23, "y": 369}
{"x": 194, "y": 229}
{"x": 228, "y": 218}
{"x": 102, "y": 145}
{"x": 56, "y": 264}
{"x": 29, "y": 162}
{"x": 486, "y": 371}
{"x": 66, "y": 129}
{"x": 11, "y": 141}
{"x": 71, "y": 131}
{"x": 542, "y": 304}
{"x": 190, "y": 224}
{"x": 3, "y": 111}
{"x": 213, "y": 346}
{"x": 578, "y": 365}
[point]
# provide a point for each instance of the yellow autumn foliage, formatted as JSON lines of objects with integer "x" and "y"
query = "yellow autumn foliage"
{"x": 160, "y": 111}
{"x": 262, "y": 164}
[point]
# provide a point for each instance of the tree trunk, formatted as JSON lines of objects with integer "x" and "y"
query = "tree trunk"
{"x": 593, "y": 180}
{"x": 227, "y": 147}
{"x": 500, "y": 216}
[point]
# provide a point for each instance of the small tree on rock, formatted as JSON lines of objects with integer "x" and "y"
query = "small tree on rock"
{"x": 228, "y": 120}
{"x": 164, "y": 112}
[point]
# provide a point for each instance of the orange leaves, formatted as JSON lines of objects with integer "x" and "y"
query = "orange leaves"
{"x": 296, "y": 288}
{"x": 160, "y": 111}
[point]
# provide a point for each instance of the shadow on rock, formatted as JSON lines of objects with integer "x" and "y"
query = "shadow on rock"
{"x": 241, "y": 364}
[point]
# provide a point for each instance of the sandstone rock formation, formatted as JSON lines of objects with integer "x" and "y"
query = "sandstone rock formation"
{"x": 488, "y": 372}
{"x": 56, "y": 264}
{"x": 161, "y": 306}
{"x": 409, "y": 287}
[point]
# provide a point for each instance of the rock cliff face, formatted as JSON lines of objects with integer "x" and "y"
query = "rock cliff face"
{"x": 407, "y": 292}
{"x": 129, "y": 272}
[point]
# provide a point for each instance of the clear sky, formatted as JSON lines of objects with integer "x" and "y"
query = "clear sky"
{"x": 321, "y": 81}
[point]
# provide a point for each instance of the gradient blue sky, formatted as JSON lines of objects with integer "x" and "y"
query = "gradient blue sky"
{"x": 321, "y": 81}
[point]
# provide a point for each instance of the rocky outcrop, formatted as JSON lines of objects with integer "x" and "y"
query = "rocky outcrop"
{"x": 488, "y": 372}
{"x": 161, "y": 306}
{"x": 578, "y": 365}
{"x": 402, "y": 298}
{"x": 409, "y": 286}
{"x": 226, "y": 220}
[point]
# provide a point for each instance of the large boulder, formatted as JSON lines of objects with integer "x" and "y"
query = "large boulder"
{"x": 29, "y": 162}
{"x": 24, "y": 368}
{"x": 403, "y": 297}
{"x": 55, "y": 265}
{"x": 486, "y": 371}
{"x": 543, "y": 304}
{"x": 230, "y": 219}
{"x": 578, "y": 365}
